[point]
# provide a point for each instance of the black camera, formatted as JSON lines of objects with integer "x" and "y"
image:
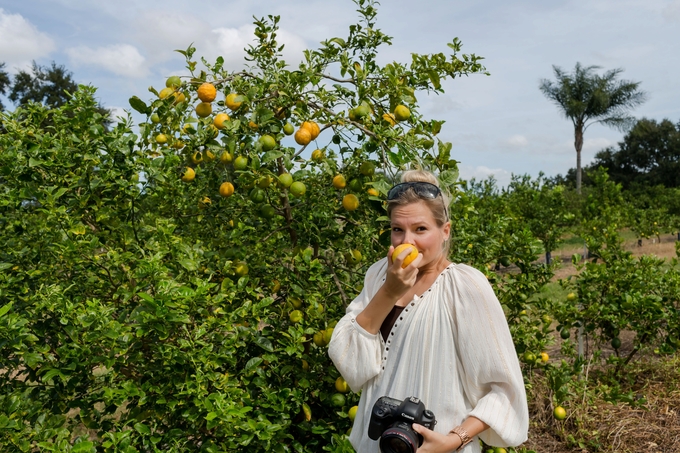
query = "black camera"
{"x": 392, "y": 420}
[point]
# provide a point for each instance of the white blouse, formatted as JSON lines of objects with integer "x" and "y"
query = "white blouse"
{"x": 451, "y": 347}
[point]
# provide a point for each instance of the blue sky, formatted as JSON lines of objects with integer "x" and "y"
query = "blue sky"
{"x": 500, "y": 124}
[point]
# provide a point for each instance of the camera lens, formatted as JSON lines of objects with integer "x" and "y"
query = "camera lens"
{"x": 399, "y": 438}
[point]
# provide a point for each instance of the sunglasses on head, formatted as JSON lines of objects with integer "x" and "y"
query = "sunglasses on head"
{"x": 422, "y": 189}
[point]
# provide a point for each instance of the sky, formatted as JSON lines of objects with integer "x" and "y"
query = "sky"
{"x": 499, "y": 124}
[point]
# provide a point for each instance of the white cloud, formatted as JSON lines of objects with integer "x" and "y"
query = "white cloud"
{"x": 121, "y": 59}
{"x": 482, "y": 172}
{"x": 517, "y": 141}
{"x": 441, "y": 104}
{"x": 230, "y": 43}
{"x": 672, "y": 11}
{"x": 118, "y": 113}
{"x": 593, "y": 145}
{"x": 21, "y": 41}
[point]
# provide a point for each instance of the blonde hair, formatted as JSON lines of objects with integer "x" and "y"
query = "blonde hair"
{"x": 439, "y": 207}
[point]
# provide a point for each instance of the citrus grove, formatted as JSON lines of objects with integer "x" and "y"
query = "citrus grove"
{"x": 173, "y": 288}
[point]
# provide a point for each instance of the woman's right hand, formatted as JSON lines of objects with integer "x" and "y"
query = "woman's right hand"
{"x": 399, "y": 280}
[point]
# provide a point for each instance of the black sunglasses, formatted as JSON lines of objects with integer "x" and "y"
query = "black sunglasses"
{"x": 422, "y": 189}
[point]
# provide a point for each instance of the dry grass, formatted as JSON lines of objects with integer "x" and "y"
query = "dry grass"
{"x": 595, "y": 424}
{"x": 663, "y": 248}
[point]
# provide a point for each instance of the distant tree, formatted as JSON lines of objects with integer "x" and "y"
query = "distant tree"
{"x": 45, "y": 85}
{"x": 52, "y": 86}
{"x": 587, "y": 98}
{"x": 4, "y": 83}
{"x": 649, "y": 155}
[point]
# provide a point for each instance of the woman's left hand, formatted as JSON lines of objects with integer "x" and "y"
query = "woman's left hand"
{"x": 434, "y": 442}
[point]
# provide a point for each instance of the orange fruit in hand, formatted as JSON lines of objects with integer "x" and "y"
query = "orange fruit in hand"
{"x": 303, "y": 137}
{"x": 350, "y": 202}
{"x": 207, "y": 92}
{"x": 413, "y": 254}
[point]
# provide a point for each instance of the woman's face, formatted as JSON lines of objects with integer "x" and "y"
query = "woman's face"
{"x": 414, "y": 224}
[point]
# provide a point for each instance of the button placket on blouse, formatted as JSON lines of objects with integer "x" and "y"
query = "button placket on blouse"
{"x": 413, "y": 304}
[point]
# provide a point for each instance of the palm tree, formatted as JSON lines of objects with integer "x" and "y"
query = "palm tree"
{"x": 587, "y": 98}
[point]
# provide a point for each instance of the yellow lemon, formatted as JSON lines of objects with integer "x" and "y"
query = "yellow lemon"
{"x": 226, "y": 189}
{"x": 413, "y": 254}
{"x": 207, "y": 92}
{"x": 350, "y": 202}
{"x": 219, "y": 120}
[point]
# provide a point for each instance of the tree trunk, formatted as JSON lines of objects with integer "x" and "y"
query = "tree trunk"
{"x": 548, "y": 258}
{"x": 578, "y": 144}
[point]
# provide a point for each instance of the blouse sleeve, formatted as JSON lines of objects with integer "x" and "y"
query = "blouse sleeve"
{"x": 489, "y": 367}
{"x": 355, "y": 352}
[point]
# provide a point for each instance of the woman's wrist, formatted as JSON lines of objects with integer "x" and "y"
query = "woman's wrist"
{"x": 462, "y": 434}
{"x": 456, "y": 441}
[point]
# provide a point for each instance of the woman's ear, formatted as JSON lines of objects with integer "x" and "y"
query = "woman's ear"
{"x": 446, "y": 229}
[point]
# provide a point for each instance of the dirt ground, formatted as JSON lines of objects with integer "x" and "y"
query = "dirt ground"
{"x": 665, "y": 248}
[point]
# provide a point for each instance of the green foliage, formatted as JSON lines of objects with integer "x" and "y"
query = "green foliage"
{"x": 5, "y": 81}
{"x": 151, "y": 314}
{"x": 649, "y": 155}
{"x": 50, "y": 86}
{"x": 542, "y": 207}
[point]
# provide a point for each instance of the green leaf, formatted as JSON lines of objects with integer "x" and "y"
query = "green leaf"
{"x": 51, "y": 374}
{"x": 252, "y": 363}
{"x": 5, "y": 309}
{"x": 84, "y": 446}
{"x": 4, "y": 266}
{"x": 188, "y": 264}
{"x": 434, "y": 77}
{"x": 34, "y": 162}
{"x": 271, "y": 155}
{"x": 264, "y": 343}
{"x": 211, "y": 416}
{"x": 449, "y": 177}
{"x": 142, "y": 428}
{"x": 338, "y": 41}
{"x": 139, "y": 105}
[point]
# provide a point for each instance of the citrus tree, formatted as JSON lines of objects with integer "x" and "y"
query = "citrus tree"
{"x": 615, "y": 291}
{"x": 174, "y": 289}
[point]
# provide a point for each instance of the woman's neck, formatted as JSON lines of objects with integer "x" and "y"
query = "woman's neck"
{"x": 434, "y": 267}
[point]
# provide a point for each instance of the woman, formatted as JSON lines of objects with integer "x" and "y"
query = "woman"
{"x": 433, "y": 330}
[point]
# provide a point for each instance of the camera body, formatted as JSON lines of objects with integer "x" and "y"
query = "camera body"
{"x": 392, "y": 420}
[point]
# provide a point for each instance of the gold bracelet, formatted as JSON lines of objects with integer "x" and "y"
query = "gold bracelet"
{"x": 464, "y": 436}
